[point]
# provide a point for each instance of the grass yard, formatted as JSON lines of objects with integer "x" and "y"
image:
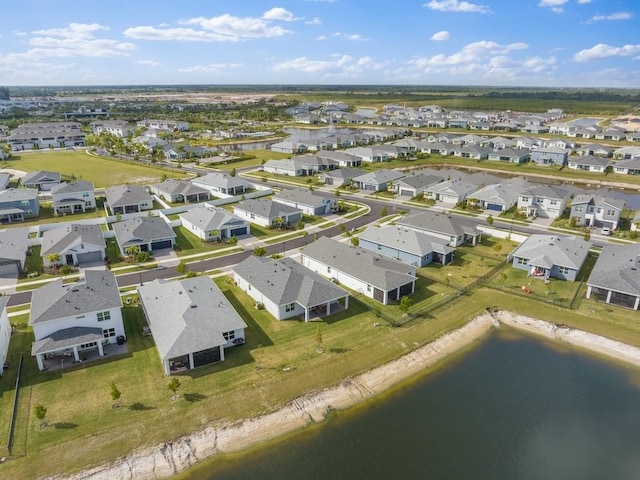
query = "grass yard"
{"x": 189, "y": 244}
{"x": 103, "y": 172}
{"x": 465, "y": 268}
{"x": 258, "y": 155}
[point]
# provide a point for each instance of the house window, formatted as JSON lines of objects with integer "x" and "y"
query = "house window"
{"x": 109, "y": 332}
{"x": 368, "y": 288}
{"x": 611, "y": 213}
{"x": 85, "y": 194}
{"x": 86, "y": 346}
{"x": 79, "y": 317}
{"x": 290, "y": 307}
{"x": 525, "y": 199}
{"x": 104, "y": 316}
{"x": 553, "y": 202}
{"x": 328, "y": 269}
{"x": 563, "y": 270}
{"x": 229, "y": 335}
{"x": 523, "y": 261}
{"x": 252, "y": 216}
{"x": 578, "y": 208}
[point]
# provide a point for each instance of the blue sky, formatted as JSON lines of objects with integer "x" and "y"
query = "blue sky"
{"x": 575, "y": 43}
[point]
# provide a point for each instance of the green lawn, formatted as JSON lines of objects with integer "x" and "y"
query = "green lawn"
{"x": 103, "y": 172}
{"x": 189, "y": 244}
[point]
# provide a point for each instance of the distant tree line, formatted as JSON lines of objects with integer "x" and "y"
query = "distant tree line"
{"x": 4, "y": 93}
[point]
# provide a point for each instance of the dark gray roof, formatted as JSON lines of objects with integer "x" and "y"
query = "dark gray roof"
{"x": 207, "y": 217}
{"x": 188, "y": 315}
{"x": 142, "y": 229}
{"x": 344, "y": 173}
{"x": 438, "y": 223}
{"x": 506, "y": 194}
{"x": 374, "y": 269}
{"x": 618, "y": 269}
{"x": 547, "y": 191}
{"x": 286, "y": 281}
{"x": 598, "y": 201}
{"x": 98, "y": 292}
{"x": 590, "y": 160}
{"x": 68, "y": 237}
{"x": 302, "y": 197}
{"x": 66, "y": 338}
{"x": 121, "y": 195}
{"x": 549, "y": 250}
{"x": 13, "y": 243}
{"x": 41, "y": 176}
{"x": 420, "y": 180}
{"x": 179, "y": 187}
{"x": 405, "y": 240}
{"x": 266, "y": 208}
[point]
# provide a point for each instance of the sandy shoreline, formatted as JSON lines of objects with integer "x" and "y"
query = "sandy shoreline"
{"x": 164, "y": 460}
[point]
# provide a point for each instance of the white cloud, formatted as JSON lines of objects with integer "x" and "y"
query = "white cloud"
{"x": 339, "y": 66}
{"x": 602, "y": 50}
{"x": 456, "y": 6}
{"x": 349, "y": 36}
{"x": 554, "y": 5}
{"x": 612, "y": 16}
{"x": 210, "y": 68}
{"x": 279, "y": 13}
{"x": 224, "y": 28}
{"x": 440, "y": 36}
{"x": 149, "y": 63}
{"x": 321, "y": 37}
{"x": 582, "y": 2}
{"x": 313, "y": 21}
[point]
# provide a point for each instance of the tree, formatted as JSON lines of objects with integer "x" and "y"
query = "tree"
{"x": 40, "y": 411}
{"x": 587, "y": 235}
{"x": 299, "y": 224}
{"x": 383, "y": 212}
{"x": 490, "y": 220}
{"x": 174, "y": 385}
{"x": 405, "y": 303}
{"x": 132, "y": 251}
{"x": 182, "y": 268}
{"x": 318, "y": 336}
{"x": 53, "y": 258}
{"x": 115, "y": 393}
{"x": 259, "y": 251}
{"x": 342, "y": 227}
{"x": 497, "y": 247}
{"x": 355, "y": 241}
{"x": 233, "y": 172}
{"x": 233, "y": 241}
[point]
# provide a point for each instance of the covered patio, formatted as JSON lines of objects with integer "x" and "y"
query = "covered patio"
{"x": 69, "y": 206}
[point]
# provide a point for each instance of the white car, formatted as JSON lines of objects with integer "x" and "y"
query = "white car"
{"x": 605, "y": 231}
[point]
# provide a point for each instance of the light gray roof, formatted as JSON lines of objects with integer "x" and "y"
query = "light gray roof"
{"x": 179, "y": 187}
{"x": 379, "y": 176}
{"x": 302, "y": 197}
{"x": 631, "y": 163}
{"x": 142, "y": 229}
{"x": 438, "y": 223}
{"x": 590, "y": 160}
{"x": 420, "y": 180}
{"x": 405, "y": 240}
{"x": 506, "y": 194}
{"x": 121, "y": 195}
{"x": 67, "y": 238}
{"x": 344, "y": 173}
{"x": 41, "y": 176}
{"x": 286, "y": 281}
{"x": 98, "y": 292}
{"x": 18, "y": 194}
{"x": 598, "y": 201}
{"x": 188, "y": 315}
{"x": 337, "y": 156}
{"x": 73, "y": 187}
{"x": 456, "y": 186}
{"x": 207, "y": 217}
{"x": 13, "y": 243}
{"x": 618, "y": 269}
{"x": 267, "y": 208}
{"x": 549, "y": 250}
{"x": 221, "y": 180}
{"x": 547, "y": 191}
{"x": 377, "y": 270}
{"x": 66, "y": 338}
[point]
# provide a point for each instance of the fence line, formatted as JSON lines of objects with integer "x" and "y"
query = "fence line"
{"x": 15, "y": 406}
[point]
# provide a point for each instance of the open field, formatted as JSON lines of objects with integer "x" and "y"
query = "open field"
{"x": 103, "y": 172}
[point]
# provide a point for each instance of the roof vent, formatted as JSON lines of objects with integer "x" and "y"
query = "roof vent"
{"x": 193, "y": 305}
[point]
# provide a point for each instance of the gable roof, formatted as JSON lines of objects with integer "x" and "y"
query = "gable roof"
{"x": 286, "y": 281}
{"x": 41, "y": 176}
{"x": 18, "y": 194}
{"x": 549, "y": 250}
{"x": 457, "y": 186}
{"x": 221, "y": 180}
{"x": 590, "y": 160}
{"x": 13, "y": 244}
{"x": 187, "y": 315}
{"x": 142, "y": 229}
{"x": 302, "y": 197}
{"x": 505, "y": 194}
{"x": 207, "y": 217}
{"x": 344, "y": 173}
{"x": 618, "y": 269}
{"x": 375, "y": 269}
{"x": 598, "y": 201}
{"x": 172, "y": 186}
{"x": 420, "y": 180}
{"x": 266, "y": 208}
{"x": 69, "y": 237}
{"x": 547, "y": 191}
{"x": 379, "y": 176}
{"x": 72, "y": 187}
{"x": 97, "y": 292}
{"x": 438, "y": 223}
{"x": 121, "y": 195}
{"x": 405, "y": 240}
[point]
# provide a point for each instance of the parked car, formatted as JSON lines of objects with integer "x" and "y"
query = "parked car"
{"x": 605, "y": 231}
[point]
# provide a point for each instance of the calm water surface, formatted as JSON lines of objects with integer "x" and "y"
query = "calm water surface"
{"x": 514, "y": 408}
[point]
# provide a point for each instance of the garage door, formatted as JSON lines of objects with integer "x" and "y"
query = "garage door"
{"x": 7, "y": 269}
{"x": 89, "y": 257}
{"x": 406, "y": 193}
{"x": 494, "y": 206}
{"x": 161, "y": 244}
{"x": 238, "y": 231}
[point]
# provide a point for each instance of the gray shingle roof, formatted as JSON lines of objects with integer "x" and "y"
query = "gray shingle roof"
{"x": 188, "y": 315}
{"x": 267, "y": 208}
{"x": 41, "y": 176}
{"x": 18, "y": 194}
{"x": 221, "y": 180}
{"x": 405, "y": 240}
{"x": 379, "y": 176}
{"x": 598, "y": 201}
{"x": 618, "y": 269}
{"x": 420, "y": 180}
{"x": 438, "y": 223}
{"x": 549, "y": 250}
{"x": 590, "y": 160}
{"x": 68, "y": 237}
{"x": 179, "y": 187}
{"x": 497, "y": 193}
{"x": 207, "y": 217}
{"x": 547, "y": 191}
{"x": 344, "y": 173}
{"x": 302, "y": 197}
{"x": 98, "y": 292}
{"x": 66, "y": 338}
{"x": 377, "y": 270}
{"x": 121, "y": 195}
{"x": 142, "y": 229}
{"x": 286, "y": 281}
{"x": 13, "y": 243}
{"x": 73, "y": 187}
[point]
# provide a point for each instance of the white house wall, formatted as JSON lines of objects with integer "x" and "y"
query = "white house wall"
{"x": 43, "y": 329}
{"x": 342, "y": 278}
{"x": 5, "y": 336}
{"x": 252, "y": 218}
{"x": 254, "y": 293}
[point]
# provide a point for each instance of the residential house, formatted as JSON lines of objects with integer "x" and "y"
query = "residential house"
{"x": 70, "y": 320}
{"x": 527, "y": 143}
{"x": 13, "y": 250}
{"x": 629, "y": 166}
{"x": 18, "y": 204}
{"x": 544, "y": 201}
{"x": 73, "y": 245}
{"x": 169, "y": 125}
{"x": 369, "y": 154}
{"x": 223, "y": 184}
{"x": 377, "y": 181}
{"x": 73, "y": 197}
{"x": 5, "y": 333}
{"x": 450, "y": 192}
{"x": 473, "y": 152}
{"x": 497, "y": 197}
{"x": 191, "y": 321}
{"x": 589, "y": 163}
{"x": 409, "y": 246}
{"x": 211, "y": 223}
{"x": 376, "y": 276}
{"x": 42, "y": 135}
{"x": 499, "y": 143}
{"x": 147, "y": 234}
{"x": 340, "y": 177}
{"x": 178, "y": 191}
{"x": 286, "y": 289}
{"x": 454, "y": 229}
{"x": 267, "y": 213}
{"x": 592, "y": 210}
{"x": 311, "y": 203}
{"x": 41, "y": 180}
{"x": 344, "y": 159}
{"x": 443, "y": 148}
{"x": 615, "y": 278}
{"x": 300, "y": 166}
{"x": 510, "y": 155}
{"x": 549, "y": 156}
{"x": 287, "y": 146}
{"x": 595, "y": 149}
{"x": 414, "y": 185}
{"x": 5, "y": 178}
{"x": 625, "y": 153}
{"x": 117, "y": 128}
{"x": 550, "y": 256}
{"x": 123, "y": 199}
